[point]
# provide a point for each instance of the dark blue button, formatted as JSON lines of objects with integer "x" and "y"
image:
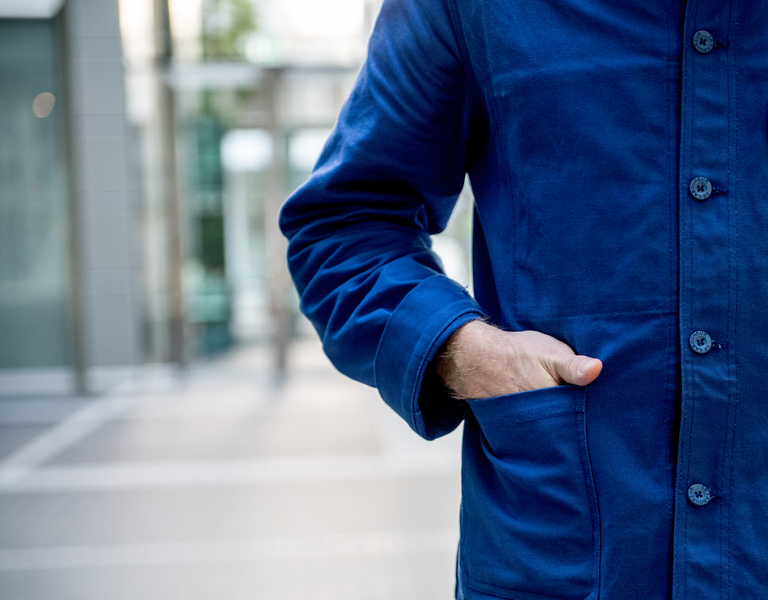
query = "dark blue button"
{"x": 700, "y": 188}
{"x": 699, "y": 495}
{"x": 700, "y": 342}
{"x": 703, "y": 41}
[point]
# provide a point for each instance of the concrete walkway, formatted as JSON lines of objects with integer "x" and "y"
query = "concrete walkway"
{"x": 225, "y": 485}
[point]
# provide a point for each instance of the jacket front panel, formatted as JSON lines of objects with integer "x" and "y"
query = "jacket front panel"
{"x": 589, "y": 208}
{"x": 588, "y": 128}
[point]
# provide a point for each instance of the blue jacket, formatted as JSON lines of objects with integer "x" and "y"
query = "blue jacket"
{"x": 618, "y": 152}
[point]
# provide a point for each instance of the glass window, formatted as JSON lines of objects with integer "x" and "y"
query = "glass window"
{"x": 33, "y": 197}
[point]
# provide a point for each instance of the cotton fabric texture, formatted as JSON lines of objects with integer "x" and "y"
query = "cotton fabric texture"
{"x": 581, "y": 124}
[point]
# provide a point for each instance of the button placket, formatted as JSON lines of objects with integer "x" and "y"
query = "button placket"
{"x": 706, "y": 219}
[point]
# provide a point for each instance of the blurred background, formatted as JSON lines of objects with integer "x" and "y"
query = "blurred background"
{"x": 169, "y": 426}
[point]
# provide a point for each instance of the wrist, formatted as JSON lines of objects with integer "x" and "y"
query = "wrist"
{"x": 457, "y": 360}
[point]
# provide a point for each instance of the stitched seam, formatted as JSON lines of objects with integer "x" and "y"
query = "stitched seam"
{"x": 619, "y": 313}
{"x": 688, "y": 471}
{"x": 723, "y": 467}
{"x": 591, "y": 491}
{"x": 532, "y": 418}
{"x": 733, "y": 365}
{"x": 669, "y": 408}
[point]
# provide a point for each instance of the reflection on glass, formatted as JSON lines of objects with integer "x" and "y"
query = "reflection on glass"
{"x": 43, "y": 104}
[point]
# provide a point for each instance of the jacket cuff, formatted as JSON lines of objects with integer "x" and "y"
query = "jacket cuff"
{"x": 414, "y": 333}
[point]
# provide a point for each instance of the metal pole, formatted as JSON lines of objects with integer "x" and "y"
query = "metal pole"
{"x": 74, "y": 262}
{"x": 277, "y": 273}
{"x": 173, "y": 215}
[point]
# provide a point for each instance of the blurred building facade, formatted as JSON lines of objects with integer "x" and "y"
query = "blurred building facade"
{"x": 145, "y": 149}
{"x": 69, "y": 299}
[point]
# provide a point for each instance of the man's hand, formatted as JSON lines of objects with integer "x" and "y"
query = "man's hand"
{"x": 480, "y": 361}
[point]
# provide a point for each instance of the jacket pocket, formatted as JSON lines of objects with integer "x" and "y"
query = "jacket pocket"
{"x": 530, "y": 525}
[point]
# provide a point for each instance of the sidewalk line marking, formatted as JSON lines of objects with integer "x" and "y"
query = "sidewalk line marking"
{"x": 174, "y": 553}
{"x": 55, "y": 440}
{"x": 207, "y": 473}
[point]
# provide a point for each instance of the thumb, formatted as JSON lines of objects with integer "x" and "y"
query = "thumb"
{"x": 578, "y": 369}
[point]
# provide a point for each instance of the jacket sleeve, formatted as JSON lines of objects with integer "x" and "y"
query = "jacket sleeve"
{"x": 359, "y": 229}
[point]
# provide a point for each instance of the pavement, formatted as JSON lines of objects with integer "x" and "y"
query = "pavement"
{"x": 224, "y": 483}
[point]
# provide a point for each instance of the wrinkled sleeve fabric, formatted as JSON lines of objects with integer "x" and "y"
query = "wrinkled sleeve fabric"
{"x": 359, "y": 229}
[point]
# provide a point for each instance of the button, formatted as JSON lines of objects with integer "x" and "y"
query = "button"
{"x": 700, "y": 188}
{"x": 703, "y": 41}
{"x": 700, "y": 342}
{"x": 699, "y": 495}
